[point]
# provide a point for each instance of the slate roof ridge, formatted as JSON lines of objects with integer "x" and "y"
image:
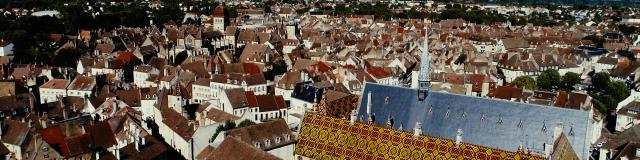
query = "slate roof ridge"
{"x": 468, "y": 96}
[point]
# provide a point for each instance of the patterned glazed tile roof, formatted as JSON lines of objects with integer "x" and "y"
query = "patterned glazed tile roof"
{"x": 323, "y": 137}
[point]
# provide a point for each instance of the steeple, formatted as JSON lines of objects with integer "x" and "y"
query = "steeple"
{"x": 424, "y": 78}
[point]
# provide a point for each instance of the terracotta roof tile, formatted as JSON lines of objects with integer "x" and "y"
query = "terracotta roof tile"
{"x": 56, "y": 84}
{"x": 14, "y": 132}
{"x": 269, "y": 103}
{"x": 84, "y": 83}
{"x": 263, "y": 132}
{"x": 220, "y": 116}
{"x": 178, "y": 123}
{"x": 233, "y": 148}
{"x": 102, "y": 135}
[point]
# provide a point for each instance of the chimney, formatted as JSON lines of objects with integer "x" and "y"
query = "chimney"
{"x": 354, "y": 116}
{"x": 557, "y": 131}
{"x": 369, "y": 103}
{"x": 458, "y": 137}
{"x": 417, "y": 130}
{"x": 548, "y": 146}
{"x": 143, "y": 141}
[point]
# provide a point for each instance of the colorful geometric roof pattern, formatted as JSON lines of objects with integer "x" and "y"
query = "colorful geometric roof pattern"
{"x": 323, "y": 137}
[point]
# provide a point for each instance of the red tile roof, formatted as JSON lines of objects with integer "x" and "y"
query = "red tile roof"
{"x": 102, "y": 135}
{"x": 477, "y": 80}
{"x": 260, "y": 133}
{"x": 270, "y": 103}
{"x": 219, "y": 11}
{"x": 233, "y": 148}
{"x": 378, "y": 72}
{"x": 56, "y": 84}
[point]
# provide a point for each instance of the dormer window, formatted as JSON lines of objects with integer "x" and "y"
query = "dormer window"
{"x": 267, "y": 142}
{"x": 287, "y": 137}
{"x": 633, "y": 111}
{"x": 386, "y": 100}
{"x": 257, "y": 144}
{"x": 571, "y": 131}
{"x": 277, "y": 140}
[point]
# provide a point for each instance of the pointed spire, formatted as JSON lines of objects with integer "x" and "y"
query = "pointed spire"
{"x": 424, "y": 78}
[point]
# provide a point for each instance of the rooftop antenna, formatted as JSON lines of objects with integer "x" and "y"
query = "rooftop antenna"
{"x": 424, "y": 78}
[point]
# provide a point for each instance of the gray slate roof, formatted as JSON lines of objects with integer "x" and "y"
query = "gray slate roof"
{"x": 442, "y": 114}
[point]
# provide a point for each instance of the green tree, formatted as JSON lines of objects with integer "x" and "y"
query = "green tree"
{"x": 167, "y": 13}
{"x": 598, "y": 41}
{"x": 245, "y": 123}
{"x": 609, "y": 103}
{"x": 549, "y": 80}
{"x": 66, "y": 57}
{"x": 569, "y": 80}
{"x": 599, "y": 105}
{"x": 75, "y": 18}
{"x": 526, "y": 82}
{"x": 628, "y": 54}
{"x": 600, "y": 80}
{"x": 617, "y": 90}
{"x": 267, "y": 9}
{"x": 278, "y": 67}
{"x": 225, "y": 127}
{"x": 302, "y": 11}
{"x": 627, "y": 30}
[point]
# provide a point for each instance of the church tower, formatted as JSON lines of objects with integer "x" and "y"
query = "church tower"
{"x": 424, "y": 78}
{"x": 218, "y": 18}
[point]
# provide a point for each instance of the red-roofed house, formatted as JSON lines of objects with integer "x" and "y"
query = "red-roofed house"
{"x": 218, "y": 18}
{"x": 270, "y": 107}
{"x": 81, "y": 86}
{"x": 53, "y": 90}
{"x": 239, "y": 102}
{"x": 381, "y": 75}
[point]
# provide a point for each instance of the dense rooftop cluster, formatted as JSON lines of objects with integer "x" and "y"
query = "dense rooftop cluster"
{"x": 245, "y": 80}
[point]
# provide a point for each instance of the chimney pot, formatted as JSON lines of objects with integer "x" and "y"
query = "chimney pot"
{"x": 417, "y": 130}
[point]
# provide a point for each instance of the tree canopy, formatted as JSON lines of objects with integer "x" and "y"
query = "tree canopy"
{"x": 225, "y": 127}
{"x": 617, "y": 90}
{"x": 600, "y": 80}
{"x": 597, "y": 40}
{"x": 245, "y": 123}
{"x": 569, "y": 80}
{"x": 628, "y": 54}
{"x": 607, "y": 94}
{"x": 526, "y": 82}
{"x": 549, "y": 80}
